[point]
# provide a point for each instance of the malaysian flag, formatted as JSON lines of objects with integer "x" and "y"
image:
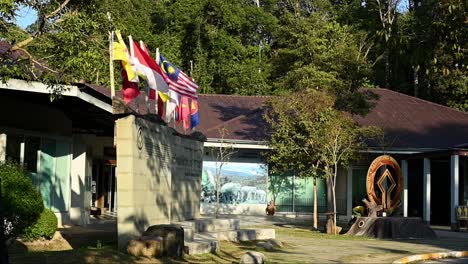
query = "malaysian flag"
{"x": 177, "y": 80}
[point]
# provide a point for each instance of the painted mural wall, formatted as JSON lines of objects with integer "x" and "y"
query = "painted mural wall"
{"x": 240, "y": 183}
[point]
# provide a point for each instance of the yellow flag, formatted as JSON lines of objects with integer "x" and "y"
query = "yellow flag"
{"x": 121, "y": 54}
{"x": 164, "y": 97}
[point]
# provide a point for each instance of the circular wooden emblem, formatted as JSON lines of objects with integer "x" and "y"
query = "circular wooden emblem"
{"x": 389, "y": 182}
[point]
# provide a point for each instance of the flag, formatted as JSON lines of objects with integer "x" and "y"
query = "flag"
{"x": 194, "y": 120}
{"x": 160, "y": 107}
{"x": 171, "y": 106}
{"x": 121, "y": 54}
{"x": 150, "y": 70}
{"x": 177, "y": 80}
{"x": 130, "y": 90}
{"x": 130, "y": 80}
{"x": 184, "y": 110}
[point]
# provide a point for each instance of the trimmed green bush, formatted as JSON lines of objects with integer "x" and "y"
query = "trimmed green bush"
{"x": 45, "y": 227}
{"x": 22, "y": 203}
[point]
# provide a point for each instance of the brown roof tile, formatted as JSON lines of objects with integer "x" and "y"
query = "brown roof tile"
{"x": 240, "y": 115}
{"x": 408, "y": 122}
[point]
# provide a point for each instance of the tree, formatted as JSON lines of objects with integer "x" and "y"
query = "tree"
{"x": 316, "y": 52}
{"x": 311, "y": 137}
{"x": 339, "y": 145}
{"x": 278, "y": 184}
{"x": 296, "y": 135}
{"x": 221, "y": 154}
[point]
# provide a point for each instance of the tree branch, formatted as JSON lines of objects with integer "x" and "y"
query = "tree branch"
{"x": 39, "y": 31}
{"x": 56, "y": 11}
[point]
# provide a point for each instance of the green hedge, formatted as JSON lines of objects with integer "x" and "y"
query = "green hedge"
{"x": 45, "y": 227}
{"x": 22, "y": 202}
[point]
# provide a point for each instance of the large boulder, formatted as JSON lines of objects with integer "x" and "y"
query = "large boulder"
{"x": 391, "y": 228}
{"x": 172, "y": 238}
{"x": 252, "y": 257}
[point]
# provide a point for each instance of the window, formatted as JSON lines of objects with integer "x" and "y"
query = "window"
{"x": 13, "y": 148}
{"x": 31, "y": 148}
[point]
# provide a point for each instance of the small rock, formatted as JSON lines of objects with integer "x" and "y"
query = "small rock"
{"x": 275, "y": 243}
{"x": 135, "y": 247}
{"x": 153, "y": 248}
{"x": 252, "y": 257}
{"x": 265, "y": 245}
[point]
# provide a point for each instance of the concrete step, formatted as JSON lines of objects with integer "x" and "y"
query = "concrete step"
{"x": 188, "y": 233}
{"x": 241, "y": 235}
{"x": 211, "y": 224}
{"x": 201, "y": 246}
{"x": 256, "y": 234}
{"x": 207, "y": 242}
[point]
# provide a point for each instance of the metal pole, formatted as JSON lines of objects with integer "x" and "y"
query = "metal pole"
{"x": 111, "y": 62}
{"x": 293, "y": 193}
{"x": 3, "y": 248}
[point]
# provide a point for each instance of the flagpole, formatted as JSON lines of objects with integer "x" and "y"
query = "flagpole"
{"x": 111, "y": 63}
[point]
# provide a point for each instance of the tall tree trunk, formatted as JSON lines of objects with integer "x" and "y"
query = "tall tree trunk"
{"x": 387, "y": 69}
{"x": 416, "y": 81}
{"x": 334, "y": 198}
{"x": 315, "y": 204}
{"x": 217, "y": 193}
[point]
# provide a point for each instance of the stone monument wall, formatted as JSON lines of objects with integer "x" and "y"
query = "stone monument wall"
{"x": 158, "y": 176}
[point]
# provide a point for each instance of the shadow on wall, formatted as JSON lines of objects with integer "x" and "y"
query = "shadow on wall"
{"x": 169, "y": 174}
{"x": 53, "y": 179}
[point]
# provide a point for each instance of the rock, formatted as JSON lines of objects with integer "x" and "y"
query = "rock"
{"x": 275, "y": 243}
{"x": 265, "y": 245}
{"x": 172, "y": 238}
{"x": 153, "y": 248}
{"x": 135, "y": 247}
{"x": 252, "y": 257}
{"x": 146, "y": 246}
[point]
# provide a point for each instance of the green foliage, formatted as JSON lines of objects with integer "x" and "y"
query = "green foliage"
{"x": 296, "y": 132}
{"x": 236, "y": 47}
{"x": 228, "y": 42}
{"x": 316, "y": 52}
{"x": 21, "y": 201}
{"x": 44, "y": 227}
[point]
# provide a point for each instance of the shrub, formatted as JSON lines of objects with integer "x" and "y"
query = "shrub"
{"x": 22, "y": 203}
{"x": 45, "y": 227}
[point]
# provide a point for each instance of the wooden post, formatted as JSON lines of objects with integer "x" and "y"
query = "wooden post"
{"x": 111, "y": 63}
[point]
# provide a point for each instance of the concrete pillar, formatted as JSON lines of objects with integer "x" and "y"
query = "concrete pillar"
{"x": 427, "y": 191}
{"x": 454, "y": 180}
{"x": 404, "y": 168}
{"x": 78, "y": 209}
{"x": 349, "y": 194}
{"x": 3, "y": 142}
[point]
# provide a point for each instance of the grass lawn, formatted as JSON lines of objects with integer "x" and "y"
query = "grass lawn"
{"x": 300, "y": 246}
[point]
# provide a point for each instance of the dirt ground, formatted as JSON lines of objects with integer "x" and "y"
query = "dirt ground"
{"x": 301, "y": 245}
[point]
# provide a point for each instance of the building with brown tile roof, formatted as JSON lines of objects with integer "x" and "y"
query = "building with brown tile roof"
{"x": 409, "y": 122}
{"x": 428, "y": 140}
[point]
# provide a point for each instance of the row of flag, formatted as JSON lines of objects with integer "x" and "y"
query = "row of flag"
{"x": 174, "y": 91}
